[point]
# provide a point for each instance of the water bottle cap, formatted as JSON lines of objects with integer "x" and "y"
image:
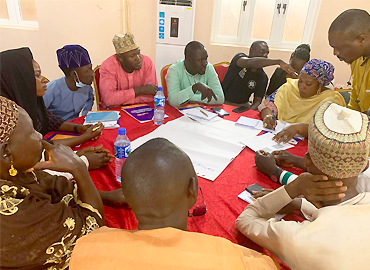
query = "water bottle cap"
{"x": 159, "y": 88}
{"x": 121, "y": 131}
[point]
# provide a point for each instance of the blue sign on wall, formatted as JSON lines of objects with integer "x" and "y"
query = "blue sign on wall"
{"x": 161, "y": 23}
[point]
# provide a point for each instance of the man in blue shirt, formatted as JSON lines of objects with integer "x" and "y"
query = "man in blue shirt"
{"x": 66, "y": 97}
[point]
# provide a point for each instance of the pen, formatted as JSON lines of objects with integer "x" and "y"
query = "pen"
{"x": 273, "y": 118}
{"x": 203, "y": 112}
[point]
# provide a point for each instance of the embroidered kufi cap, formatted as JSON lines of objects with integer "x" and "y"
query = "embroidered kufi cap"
{"x": 9, "y": 115}
{"x": 124, "y": 43}
{"x": 73, "y": 56}
{"x": 339, "y": 141}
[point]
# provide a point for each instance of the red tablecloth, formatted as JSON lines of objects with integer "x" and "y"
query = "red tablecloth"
{"x": 221, "y": 196}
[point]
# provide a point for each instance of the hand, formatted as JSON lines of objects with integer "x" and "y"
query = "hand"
{"x": 284, "y": 158}
{"x": 287, "y": 68}
{"x": 268, "y": 122}
{"x": 92, "y": 132}
{"x": 148, "y": 89}
{"x": 286, "y": 134}
{"x": 61, "y": 159}
{"x": 316, "y": 188}
{"x": 206, "y": 92}
{"x": 113, "y": 197}
{"x": 263, "y": 192}
{"x": 265, "y": 162}
{"x": 97, "y": 156}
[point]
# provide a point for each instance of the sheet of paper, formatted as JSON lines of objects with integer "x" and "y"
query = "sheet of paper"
{"x": 246, "y": 121}
{"x": 200, "y": 113}
{"x": 258, "y": 124}
{"x": 209, "y": 154}
{"x": 246, "y": 196}
{"x": 217, "y": 128}
{"x": 265, "y": 143}
{"x": 279, "y": 127}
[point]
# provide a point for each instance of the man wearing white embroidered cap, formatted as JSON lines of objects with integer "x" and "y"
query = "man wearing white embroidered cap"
{"x": 335, "y": 236}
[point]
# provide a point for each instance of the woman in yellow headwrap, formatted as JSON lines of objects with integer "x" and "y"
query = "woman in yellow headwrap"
{"x": 297, "y": 100}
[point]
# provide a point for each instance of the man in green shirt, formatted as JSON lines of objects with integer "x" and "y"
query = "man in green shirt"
{"x": 193, "y": 79}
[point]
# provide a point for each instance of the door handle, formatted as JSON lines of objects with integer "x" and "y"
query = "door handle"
{"x": 244, "y": 4}
{"x": 278, "y": 7}
{"x": 284, "y": 7}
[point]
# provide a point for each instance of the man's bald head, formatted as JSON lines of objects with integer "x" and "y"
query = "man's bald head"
{"x": 196, "y": 58}
{"x": 349, "y": 35}
{"x": 259, "y": 48}
{"x": 352, "y": 22}
{"x": 158, "y": 180}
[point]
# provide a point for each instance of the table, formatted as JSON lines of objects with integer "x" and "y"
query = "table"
{"x": 221, "y": 196}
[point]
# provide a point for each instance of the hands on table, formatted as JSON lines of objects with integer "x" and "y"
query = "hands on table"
{"x": 316, "y": 188}
{"x": 92, "y": 132}
{"x": 97, "y": 156}
{"x": 148, "y": 89}
{"x": 289, "y": 132}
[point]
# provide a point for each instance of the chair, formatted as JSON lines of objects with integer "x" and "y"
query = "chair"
{"x": 163, "y": 79}
{"x": 221, "y": 69}
{"x": 346, "y": 94}
{"x": 96, "y": 87}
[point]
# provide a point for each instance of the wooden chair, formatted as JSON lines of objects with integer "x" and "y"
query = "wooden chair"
{"x": 163, "y": 79}
{"x": 96, "y": 87}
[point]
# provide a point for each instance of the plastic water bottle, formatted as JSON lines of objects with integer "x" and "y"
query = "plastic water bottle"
{"x": 122, "y": 148}
{"x": 159, "y": 101}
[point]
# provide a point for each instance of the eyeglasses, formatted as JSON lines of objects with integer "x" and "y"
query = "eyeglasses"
{"x": 200, "y": 209}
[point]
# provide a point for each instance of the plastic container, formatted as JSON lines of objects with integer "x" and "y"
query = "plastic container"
{"x": 122, "y": 148}
{"x": 159, "y": 102}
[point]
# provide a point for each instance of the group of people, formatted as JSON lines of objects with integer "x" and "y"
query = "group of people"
{"x": 49, "y": 204}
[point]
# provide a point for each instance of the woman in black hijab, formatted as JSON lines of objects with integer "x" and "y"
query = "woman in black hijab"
{"x": 20, "y": 83}
{"x": 298, "y": 58}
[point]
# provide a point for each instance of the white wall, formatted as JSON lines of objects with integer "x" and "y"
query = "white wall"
{"x": 89, "y": 23}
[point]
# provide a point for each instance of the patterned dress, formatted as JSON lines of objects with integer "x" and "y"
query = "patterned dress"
{"x": 41, "y": 218}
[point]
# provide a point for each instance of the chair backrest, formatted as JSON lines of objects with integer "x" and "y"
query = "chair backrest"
{"x": 163, "y": 79}
{"x": 346, "y": 94}
{"x": 221, "y": 69}
{"x": 96, "y": 87}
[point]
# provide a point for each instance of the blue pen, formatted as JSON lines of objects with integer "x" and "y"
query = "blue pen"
{"x": 273, "y": 118}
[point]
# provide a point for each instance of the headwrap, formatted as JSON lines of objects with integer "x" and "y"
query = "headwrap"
{"x": 18, "y": 83}
{"x": 322, "y": 71}
{"x": 8, "y": 118}
{"x": 339, "y": 141}
{"x": 73, "y": 56}
{"x": 124, "y": 43}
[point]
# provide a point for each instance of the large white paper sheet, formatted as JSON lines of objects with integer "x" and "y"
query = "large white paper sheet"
{"x": 265, "y": 143}
{"x": 210, "y": 148}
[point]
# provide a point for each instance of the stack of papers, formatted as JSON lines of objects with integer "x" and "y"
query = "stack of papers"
{"x": 265, "y": 143}
{"x": 108, "y": 118}
{"x": 198, "y": 113}
{"x": 258, "y": 124}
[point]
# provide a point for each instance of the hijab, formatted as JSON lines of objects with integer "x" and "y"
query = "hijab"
{"x": 18, "y": 83}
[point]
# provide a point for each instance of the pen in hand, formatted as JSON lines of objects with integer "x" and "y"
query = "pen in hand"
{"x": 273, "y": 118}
